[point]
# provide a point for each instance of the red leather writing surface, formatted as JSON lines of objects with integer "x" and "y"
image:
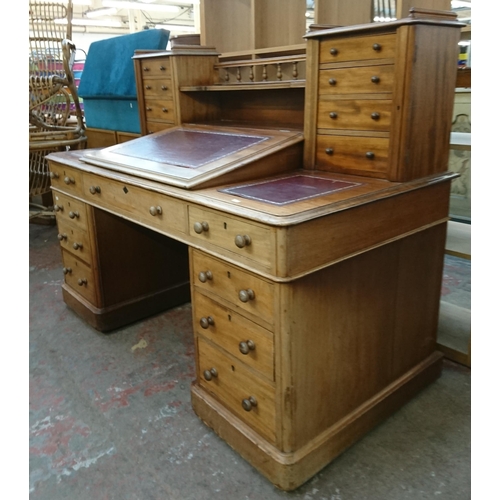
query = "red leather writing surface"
{"x": 289, "y": 189}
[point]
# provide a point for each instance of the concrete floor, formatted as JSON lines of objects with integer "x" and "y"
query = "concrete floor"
{"x": 110, "y": 418}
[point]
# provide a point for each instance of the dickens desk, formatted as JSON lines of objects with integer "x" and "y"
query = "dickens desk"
{"x": 313, "y": 259}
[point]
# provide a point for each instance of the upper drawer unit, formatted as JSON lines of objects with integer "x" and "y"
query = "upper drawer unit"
{"x": 157, "y": 67}
{"x": 335, "y": 50}
{"x": 243, "y": 238}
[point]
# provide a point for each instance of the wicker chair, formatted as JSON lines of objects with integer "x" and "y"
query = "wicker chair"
{"x": 56, "y": 119}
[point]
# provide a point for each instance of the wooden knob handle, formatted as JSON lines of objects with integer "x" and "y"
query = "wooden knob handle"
{"x": 155, "y": 210}
{"x": 370, "y": 155}
{"x": 74, "y": 215}
{"x": 242, "y": 241}
{"x": 82, "y": 281}
{"x": 94, "y": 189}
{"x": 246, "y": 347}
{"x": 210, "y": 374}
{"x": 246, "y": 295}
{"x": 205, "y": 276}
{"x": 200, "y": 227}
{"x": 206, "y": 322}
{"x": 249, "y": 403}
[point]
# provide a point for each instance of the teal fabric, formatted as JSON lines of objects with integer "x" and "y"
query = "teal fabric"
{"x": 113, "y": 114}
{"x": 109, "y": 69}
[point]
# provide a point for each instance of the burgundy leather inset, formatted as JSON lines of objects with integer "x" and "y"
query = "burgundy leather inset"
{"x": 289, "y": 189}
{"x": 187, "y": 148}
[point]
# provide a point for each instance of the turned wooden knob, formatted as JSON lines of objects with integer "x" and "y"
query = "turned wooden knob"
{"x": 377, "y": 47}
{"x": 375, "y": 79}
{"x": 58, "y": 208}
{"x": 249, "y": 403}
{"x": 54, "y": 175}
{"x": 200, "y": 227}
{"x": 334, "y": 51}
{"x": 206, "y": 322}
{"x": 242, "y": 241}
{"x": 69, "y": 180}
{"x": 370, "y": 155}
{"x": 246, "y": 347}
{"x": 164, "y": 87}
{"x": 155, "y": 210}
{"x": 333, "y": 115}
{"x": 165, "y": 110}
{"x": 246, "y": 295}
{"x": 205, "y": 276}
{"x": 210, "y": 374}
{"x": 76, "y": 245}
{"x": 375, "y": 116}
{"x": 162, "y": 68}
{"x": 332, "y": 81}
{"x": 82, "y": 281}
{"x": 62, "y": 236}
{"x": 67, "y": 270}
{"x": 94, "y": 189}
{"x": 329, "y": 151}
{"x": 74, "y": 215}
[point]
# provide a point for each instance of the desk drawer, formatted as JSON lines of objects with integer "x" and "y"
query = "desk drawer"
{"x": 358, "y": 48}
{"x": 244, "y": 339}
{"x": 79, "y": 276}
{"x": 156, "y": 67}
{"x": 158, "y": 88}
{"x": 359, "y": 80}
{"x": 65, "y": 178}
{"x": 234, "y": 385}
{"x": 353, "y": 155}
{"x": 70, "y": 210}
{"x": 145, "y": 207}
{"x": 355, "y": 114}
{"x": 236, "y": 235}
{"x": 246, "y": 291}
{"x": 152, "y": 126}
{"x": 159, "y": 110}
{"x": 74, "y": 240}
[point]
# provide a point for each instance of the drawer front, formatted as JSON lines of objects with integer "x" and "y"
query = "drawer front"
{"x": 70, "y": 210}
{"x": 65, "y": 178}
{"x": 78, "y": 275}
{"x": 158, "y": 88}
{"x": 159, "y": 110}
{"x": 245, "y": 290}
{"x": 359, "y": 114}
{"x": 238, "y": 236}
{"x": 235, "y": 386}
{"x": 152, "y": 127}
{"x": 156, "y": 67}
{"x": 143, "y": 206}
{"x": 361, "y": 80}
{"x": 357, "y": 49}
{"x": 352, "y": 154}
{"x": 245, "y": 340}
{"x": 74, "y": 240}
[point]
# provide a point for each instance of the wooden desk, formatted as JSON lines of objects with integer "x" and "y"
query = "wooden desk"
{"x": 314, "y": 278}
{"x": 327, "y": 318}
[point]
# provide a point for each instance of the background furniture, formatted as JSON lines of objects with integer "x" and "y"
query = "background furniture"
{"x": 108, "y": 88}
{"x": 55, "y": 116}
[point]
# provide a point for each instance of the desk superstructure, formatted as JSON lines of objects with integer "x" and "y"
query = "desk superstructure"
{"x": 314, "y": 280}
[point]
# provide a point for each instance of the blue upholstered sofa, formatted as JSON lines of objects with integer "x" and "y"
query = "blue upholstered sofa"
{"x": 107, "y": 84}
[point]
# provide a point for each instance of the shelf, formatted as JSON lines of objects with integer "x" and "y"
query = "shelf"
{"x": 245, "y": 86}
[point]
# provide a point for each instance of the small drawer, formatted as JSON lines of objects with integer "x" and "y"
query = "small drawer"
{"x": 145, "y": 207}
{"x": 236, "y": 235}
{"x": 360, "y": 80}
{"x": 156, "y": 67}
{"x": 356, "y": 155}
{"x": 250, "y": 398}
{"x": 357, "y": 49}
{"x": 358, "y": 114}
{"x": 78, "y": 275}
{"x": 70, "y": 210}
{"x": 246, "y": 291}
{"x": 74, "y": 240}
{"x": 158, "y": 88}
{"x": 152, "y": 126}
{"x": 159, "y": 110}
{"x": 245, "y": 340}
{"x": 65, "y": 178}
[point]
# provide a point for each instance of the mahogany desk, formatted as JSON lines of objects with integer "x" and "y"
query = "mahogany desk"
{"x": 313, "y": 320}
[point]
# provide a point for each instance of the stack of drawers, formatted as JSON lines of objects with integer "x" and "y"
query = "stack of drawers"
{"x": 157, "y": 92}
{"x": 234, "y": 313}
{"x": 355, "y": 87}
{"x": 75, "y": 228}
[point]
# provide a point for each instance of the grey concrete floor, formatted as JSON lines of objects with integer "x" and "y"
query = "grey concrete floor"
{"x": 110, "y": 418}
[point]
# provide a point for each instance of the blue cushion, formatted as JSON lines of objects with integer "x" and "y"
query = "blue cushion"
{"x": 113, "y": 114}
{"x": 109, "y": 69}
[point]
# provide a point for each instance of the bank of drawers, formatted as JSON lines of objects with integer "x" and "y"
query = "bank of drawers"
{"x": 74, "y": 232}
{"x": 233, "y": 315}
{"x": 355, "y": 92}
{"x": 156, "y": 82}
